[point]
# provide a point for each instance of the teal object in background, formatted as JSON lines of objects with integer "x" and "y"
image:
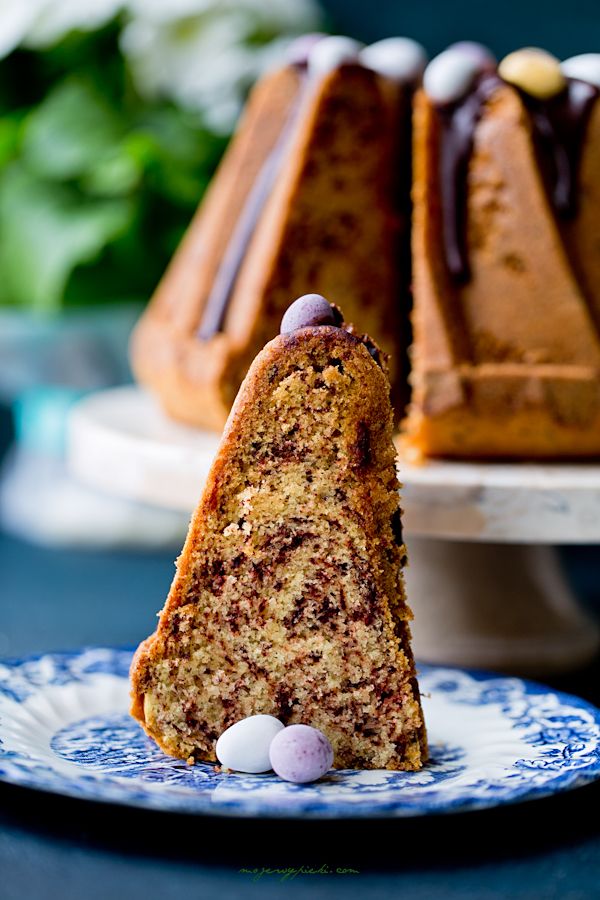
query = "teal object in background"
{"x": 83, "y": 349}
{"x": 41, "y": 415}
{"x": 562, "y": 28}
{"x": 47, "y": 363}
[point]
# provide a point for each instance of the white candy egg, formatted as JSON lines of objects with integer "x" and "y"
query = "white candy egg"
{"x": 449, "y": 76}
{"x": 332, "y": 52}
{"x": 585, "y": 67}
{"x": 244, "y": 747}
{"x": 398, "y": 58}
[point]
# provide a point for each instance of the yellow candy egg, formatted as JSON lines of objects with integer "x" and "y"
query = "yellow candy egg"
{"x": 534, "y": 71}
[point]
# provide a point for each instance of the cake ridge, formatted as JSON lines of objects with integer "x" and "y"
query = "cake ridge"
{"x": 219, "y": 296}
{"x": 312, "y": 233}
{"x": 506, "y": 357}
{"x": 505, "y": 229}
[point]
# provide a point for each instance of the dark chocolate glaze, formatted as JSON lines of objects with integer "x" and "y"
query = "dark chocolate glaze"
{"x": 396, "y": 523}
{"x": 373, "y": 349}
{"x": 217, "y": 302}
{"x": 457, "y": 129}
{"x": 559, "y": 126}
{"x": 215, "y": 309}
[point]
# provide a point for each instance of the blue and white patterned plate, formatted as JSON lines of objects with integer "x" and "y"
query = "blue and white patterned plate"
{"x": 64, "y": 727}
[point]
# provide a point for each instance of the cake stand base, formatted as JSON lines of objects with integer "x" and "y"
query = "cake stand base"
{"x": 506, "y": 607}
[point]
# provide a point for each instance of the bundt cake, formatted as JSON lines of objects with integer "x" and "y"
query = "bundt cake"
{"x": 506, "y": 257}
{"x": 314, "y": 195}
{"x": 288, "y": 598}
{"x": 307, "y": 198}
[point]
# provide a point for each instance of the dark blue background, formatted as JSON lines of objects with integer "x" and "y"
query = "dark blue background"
{"x": 565, "y": 28}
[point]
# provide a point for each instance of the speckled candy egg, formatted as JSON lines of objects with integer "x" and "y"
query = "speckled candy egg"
{"x": 332, "y": 52}
{"x": 398, "y": 58}
{"x": 481, "y": 54}
{"x": 307, "y": 311}
{"x": 244, "y": 747}
{"x": 300, "y": 753}
{"x": 585, "y": 67}
{"x": 534, "y": 71}
{"x": 450, "y": 76}
{"x": 298, "y": 52}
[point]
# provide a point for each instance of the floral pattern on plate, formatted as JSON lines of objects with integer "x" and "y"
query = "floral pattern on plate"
{"x": 64, "y": 727}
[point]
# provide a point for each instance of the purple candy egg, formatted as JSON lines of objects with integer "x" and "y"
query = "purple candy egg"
{"x": 478, "y": 52}
{"x": 300, "y": 753}
{"x": 298, "y": 51}
{"x": 307, "y": 311}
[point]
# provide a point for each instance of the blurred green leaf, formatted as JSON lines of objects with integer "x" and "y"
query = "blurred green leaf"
{"x": 116, "y": 175}
{"x": 178, "y": 154}
{"x": 10, "y": 130}
{"x": 92, "y": 55}
{"x": 46, "y": 231}
{"x": 96, "y": 184}
{"x": 72, "y": 131}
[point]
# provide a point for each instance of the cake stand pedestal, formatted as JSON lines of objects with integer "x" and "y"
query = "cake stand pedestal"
{"x": 484, "y": 579}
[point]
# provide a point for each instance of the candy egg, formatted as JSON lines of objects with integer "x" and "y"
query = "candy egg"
{"x": 398, "y": 58}
{"x": 311, "y": 309}
{"x": 450, "y": 76}
{"x": 534, "y": 71}
{"x": 481, "y": 54}
{"x": 585, "y": 67}
{"x": 244, "y": 747}
{"x": 300, "y": 753}
{"x": 332, "y": 52}
{"x": 299, "y": 50}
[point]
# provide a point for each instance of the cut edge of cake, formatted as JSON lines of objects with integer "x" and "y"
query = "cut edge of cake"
{"x": 288, "y": 597}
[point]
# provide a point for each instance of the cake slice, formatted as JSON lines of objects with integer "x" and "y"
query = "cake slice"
{"x": 506, "y": 353}
{"x": 301, "y": 202}
{"x": 288, "y": 597}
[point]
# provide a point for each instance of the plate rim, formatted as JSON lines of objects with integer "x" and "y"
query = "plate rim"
{"x": 571, "y": 780}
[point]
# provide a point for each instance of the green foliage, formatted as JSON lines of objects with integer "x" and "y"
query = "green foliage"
{"x": 96, "y": 185}
{"x": 46, "y": 231}
{"x": 70, "y": 132}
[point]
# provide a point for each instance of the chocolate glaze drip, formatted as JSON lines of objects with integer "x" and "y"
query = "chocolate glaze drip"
{"x": 457, "y": 123}
{"x": 217, "y": 302}
{"x": 373, "y": 349}
{"x": 559, "y": 127}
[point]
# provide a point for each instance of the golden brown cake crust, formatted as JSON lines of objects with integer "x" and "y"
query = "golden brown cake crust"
{"x": 288, "y": 597}
{"x": 507, "y": 364}
{"x": 329, "y": 227}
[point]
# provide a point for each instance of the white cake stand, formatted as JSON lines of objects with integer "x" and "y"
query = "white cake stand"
{"x": 484, "y": 579}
